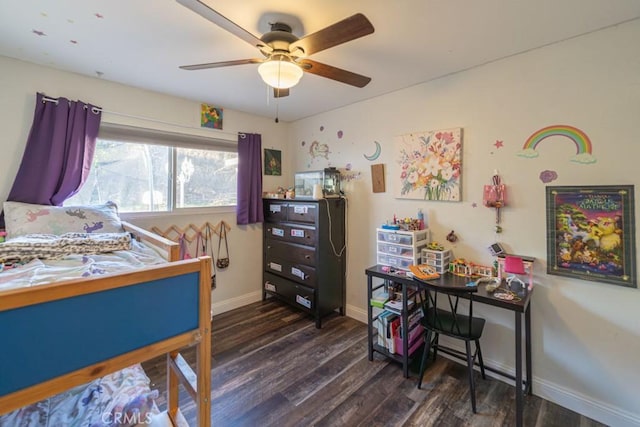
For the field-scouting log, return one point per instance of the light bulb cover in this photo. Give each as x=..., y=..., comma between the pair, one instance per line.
x=281, y=74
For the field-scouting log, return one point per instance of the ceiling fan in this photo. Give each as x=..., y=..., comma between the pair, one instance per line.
x=285, y=55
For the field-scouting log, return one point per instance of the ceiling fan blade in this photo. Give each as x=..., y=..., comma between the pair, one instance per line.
x=280, y=93
x=334, y=73
x=212, y=15
x=220, y=64
x=343, y=31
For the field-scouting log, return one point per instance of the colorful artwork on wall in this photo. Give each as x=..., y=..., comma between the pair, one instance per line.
x=210, y=116
x=375, y=154
x=591, y=233
x=272, y=162
x=579, y=138
x=319, y=150
x=430, y=165
x=548, y=176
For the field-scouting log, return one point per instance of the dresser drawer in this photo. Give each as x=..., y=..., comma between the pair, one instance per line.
x=304, y=235
x=302, y=212
x=301, y=296
x=275, y=211
x=300, y=273
x=295, y=253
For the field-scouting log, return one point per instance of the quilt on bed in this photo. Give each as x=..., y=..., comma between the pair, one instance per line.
x=43, y=271
x=123, y=398
x=49, y=246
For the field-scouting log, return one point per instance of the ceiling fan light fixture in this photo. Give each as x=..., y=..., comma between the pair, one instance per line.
x=280, y=73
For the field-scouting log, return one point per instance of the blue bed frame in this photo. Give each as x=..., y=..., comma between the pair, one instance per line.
x=54, y=337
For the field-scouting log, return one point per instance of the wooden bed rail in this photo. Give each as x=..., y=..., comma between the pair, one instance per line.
x=171, y=248
x=167, y=283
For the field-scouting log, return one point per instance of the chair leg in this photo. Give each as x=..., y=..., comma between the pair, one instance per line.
x=470, y=369
x=484, y=377
x=435, y=345
x=425, y=354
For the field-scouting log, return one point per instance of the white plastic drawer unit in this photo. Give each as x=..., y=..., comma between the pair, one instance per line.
x=402, y=237
x=438, y=259
x=400, y=249
x=395, y=261
x=396, y=249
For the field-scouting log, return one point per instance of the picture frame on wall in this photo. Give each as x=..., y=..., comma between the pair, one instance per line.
x=430, y=165
x=591, y=233
x=272, y=162
x=211, y=116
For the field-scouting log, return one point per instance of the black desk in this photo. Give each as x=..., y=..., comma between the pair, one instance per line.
x=520, y=307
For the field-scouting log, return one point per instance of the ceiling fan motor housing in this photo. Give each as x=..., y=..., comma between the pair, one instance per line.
x=279, y=38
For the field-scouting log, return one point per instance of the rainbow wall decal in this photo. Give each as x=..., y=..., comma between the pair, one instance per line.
x=579, y=138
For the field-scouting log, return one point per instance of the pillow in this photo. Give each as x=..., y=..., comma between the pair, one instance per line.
x=24, y=218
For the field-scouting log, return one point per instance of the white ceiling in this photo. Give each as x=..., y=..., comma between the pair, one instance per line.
x=142, y=42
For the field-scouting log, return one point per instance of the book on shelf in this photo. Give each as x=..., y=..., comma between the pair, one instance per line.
x=396, y=305
x=378, y=299
x=383, y=326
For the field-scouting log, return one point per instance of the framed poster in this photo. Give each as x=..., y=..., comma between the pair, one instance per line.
x=272, y=162
x=211, y=116
x=591, y=233
x=430, y=165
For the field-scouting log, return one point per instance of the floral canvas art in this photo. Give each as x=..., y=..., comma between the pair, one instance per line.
x=430, y=165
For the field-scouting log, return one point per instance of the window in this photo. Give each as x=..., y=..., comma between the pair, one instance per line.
x=150, y=171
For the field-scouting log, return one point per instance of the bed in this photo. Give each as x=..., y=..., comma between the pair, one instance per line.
x=69, y=337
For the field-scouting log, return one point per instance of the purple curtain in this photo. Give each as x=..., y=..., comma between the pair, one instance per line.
x=59, y=152
x=249, y=209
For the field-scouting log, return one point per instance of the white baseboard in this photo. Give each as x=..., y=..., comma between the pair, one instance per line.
x=585, y=405
x=357, y=313
x=220, y=307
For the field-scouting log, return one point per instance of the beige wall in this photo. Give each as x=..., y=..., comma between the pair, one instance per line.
x=19, y=81
x=586, y=335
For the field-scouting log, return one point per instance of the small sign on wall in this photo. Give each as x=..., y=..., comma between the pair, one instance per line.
x=377, y=178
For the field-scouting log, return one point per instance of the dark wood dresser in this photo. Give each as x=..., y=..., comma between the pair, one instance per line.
x=305, y=255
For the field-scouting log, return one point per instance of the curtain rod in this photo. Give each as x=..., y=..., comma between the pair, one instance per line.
x=96, y=110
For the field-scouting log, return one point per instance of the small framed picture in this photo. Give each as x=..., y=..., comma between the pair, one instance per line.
x=210, y=116
x=591, y=233
x=272, y=162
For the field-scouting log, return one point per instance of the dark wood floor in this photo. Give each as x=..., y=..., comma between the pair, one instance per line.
x=271, y=366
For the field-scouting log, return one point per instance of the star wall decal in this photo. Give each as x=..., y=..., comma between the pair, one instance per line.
x=499, y=143
x=40, y=33
x=99, y=16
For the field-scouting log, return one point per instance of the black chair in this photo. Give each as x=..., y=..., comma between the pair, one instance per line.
x=454, y=322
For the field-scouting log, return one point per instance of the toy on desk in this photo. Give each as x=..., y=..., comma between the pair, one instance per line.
x=463, y=268
x=390, y=226
x=424, y=271
x=516, y=265
x=435, y=246
x=492, y=283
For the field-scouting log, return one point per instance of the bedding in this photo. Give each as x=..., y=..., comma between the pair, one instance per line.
x=40, y=272
x=49, y=246
x=25, y=218
x=122, y=398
